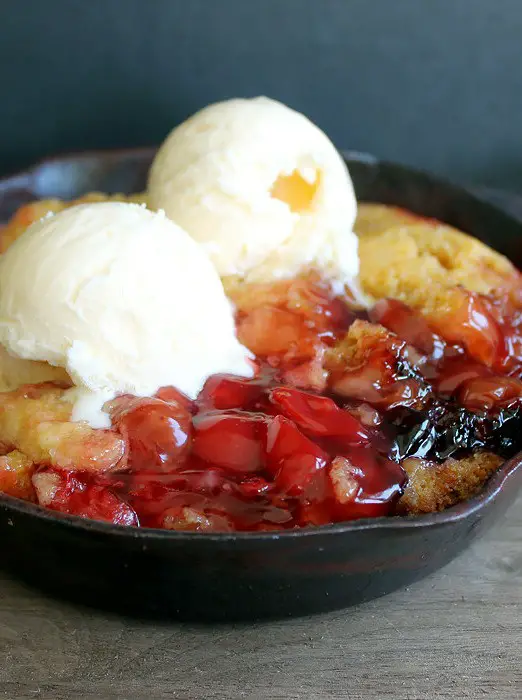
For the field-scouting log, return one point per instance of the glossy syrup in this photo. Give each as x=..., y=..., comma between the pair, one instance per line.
x=302, y=443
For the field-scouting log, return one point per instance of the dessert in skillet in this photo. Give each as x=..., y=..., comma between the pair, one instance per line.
x=345, y=375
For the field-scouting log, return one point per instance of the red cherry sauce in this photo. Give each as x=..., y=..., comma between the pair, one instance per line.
x=304, y=443
x=256, y=455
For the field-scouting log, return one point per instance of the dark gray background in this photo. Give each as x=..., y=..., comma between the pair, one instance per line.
x=434, y=83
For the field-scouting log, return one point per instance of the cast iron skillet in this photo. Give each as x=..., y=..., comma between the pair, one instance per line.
x=248, y=575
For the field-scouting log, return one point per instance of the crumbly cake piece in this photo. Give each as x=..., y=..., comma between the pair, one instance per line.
x=433, y=487
x=407, y=260
x=35, y=420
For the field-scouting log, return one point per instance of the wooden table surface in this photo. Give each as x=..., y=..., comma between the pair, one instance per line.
x=457, y=634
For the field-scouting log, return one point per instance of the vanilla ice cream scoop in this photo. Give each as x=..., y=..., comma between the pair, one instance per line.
x=122, y=299
x=262, y=189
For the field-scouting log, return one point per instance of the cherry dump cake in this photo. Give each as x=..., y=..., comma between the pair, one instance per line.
x=405, y=407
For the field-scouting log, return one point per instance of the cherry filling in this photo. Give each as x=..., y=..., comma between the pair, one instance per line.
x=311, y=440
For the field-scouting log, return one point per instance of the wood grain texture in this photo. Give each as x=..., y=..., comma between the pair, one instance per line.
x=454, y=635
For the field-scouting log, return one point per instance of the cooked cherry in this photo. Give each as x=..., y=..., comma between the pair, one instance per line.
x=255, y=487
x=455, y=372
x=222, y=391
x=292, y=458
x=230, y=440
x=272, y=332
x=409, y=326
x=474, y=327
x=365, y=484
x=171, y=395
x=319, y=416
x=158, y=433
x=484, y=393
x=382, y=387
